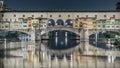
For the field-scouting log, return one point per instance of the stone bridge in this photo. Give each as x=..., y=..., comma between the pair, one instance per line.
x=31, y=33
x=74, y=30
x=93, y=31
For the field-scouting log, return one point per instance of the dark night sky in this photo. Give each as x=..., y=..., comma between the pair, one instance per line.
x=62, y=4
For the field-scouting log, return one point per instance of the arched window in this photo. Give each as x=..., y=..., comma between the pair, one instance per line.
x=69, y=22
x=51, y=22
x=60, y=22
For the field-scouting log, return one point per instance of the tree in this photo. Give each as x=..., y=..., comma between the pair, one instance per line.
x=109, y=35
x=117, y=43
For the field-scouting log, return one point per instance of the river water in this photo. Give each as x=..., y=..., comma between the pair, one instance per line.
x=16, y=55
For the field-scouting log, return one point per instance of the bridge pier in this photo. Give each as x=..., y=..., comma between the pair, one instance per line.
x=32, y=33
x=84, y=40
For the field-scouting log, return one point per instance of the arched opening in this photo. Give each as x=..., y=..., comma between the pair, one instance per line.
x=60, y=22
x=51, y=22
x=68, y=22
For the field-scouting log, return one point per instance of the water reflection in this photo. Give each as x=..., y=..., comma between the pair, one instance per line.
x=61, y=39
x=57, y=40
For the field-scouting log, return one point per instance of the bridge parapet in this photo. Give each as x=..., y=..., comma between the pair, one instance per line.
x=74, y=30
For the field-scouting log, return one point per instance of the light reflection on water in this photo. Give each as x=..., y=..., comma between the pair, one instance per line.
x=77, y=57
x=61, y=40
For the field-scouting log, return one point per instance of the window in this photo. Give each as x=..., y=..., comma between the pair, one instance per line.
x=32, y=15
x=108, y=26
x=76, y=19
x=29, y=25
x=68, y=15
x=76, y=25
x=14, y=15
x=23, y=15
x=95, y=16
x=103, y=26
x=98, y=25
x=59, y=15
x=77, y=15
x=105, y=16
x=112, y=26
x=24, y=25
x=41, y=25
x=94, y=22
x=50, y=15
x=41, y=15
x=86, y=15
x=113, y=16
x=117, y=26
x=113, y=22
x=94, y=26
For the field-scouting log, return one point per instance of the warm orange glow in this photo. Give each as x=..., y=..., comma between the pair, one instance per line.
x=29, y=56
x=84, y=25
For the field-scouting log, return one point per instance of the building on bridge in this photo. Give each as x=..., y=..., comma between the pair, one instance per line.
x=26, y=20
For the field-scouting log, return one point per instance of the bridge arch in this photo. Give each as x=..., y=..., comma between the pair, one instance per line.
x=51, y=22
x=99, y=32
x=74, y=30
x=68, y=22
x=60, y=22
x=30, y=33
